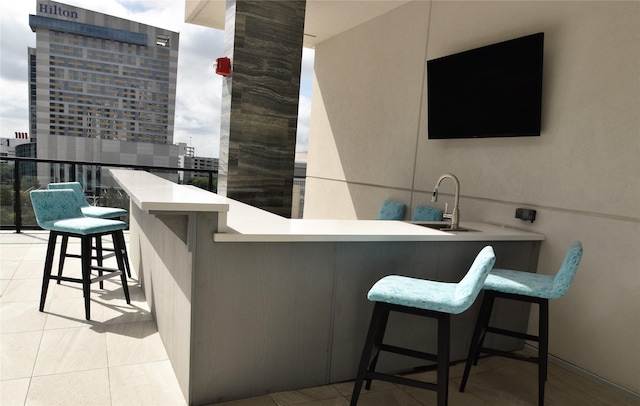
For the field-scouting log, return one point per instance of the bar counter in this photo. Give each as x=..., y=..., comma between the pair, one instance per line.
x=248, y=302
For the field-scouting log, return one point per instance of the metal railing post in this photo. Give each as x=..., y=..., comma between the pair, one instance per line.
x=17, y=197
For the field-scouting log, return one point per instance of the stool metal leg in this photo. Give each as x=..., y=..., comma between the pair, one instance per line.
x=491, y=299
x=119, y=247
x=444, y=332
x=125, y=257
x=482, y=328
x=48, y=264
x=479, y=333
x=99, y=257
x=63, y=255
x=377, y=343
x=373, y=343
x=86, y=250
x=100, y=250
x=379, y=317
x=543, y=334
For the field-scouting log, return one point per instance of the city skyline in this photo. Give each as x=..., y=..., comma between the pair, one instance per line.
x=197, y=117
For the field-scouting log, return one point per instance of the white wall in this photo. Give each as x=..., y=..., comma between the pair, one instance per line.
x=368, y=142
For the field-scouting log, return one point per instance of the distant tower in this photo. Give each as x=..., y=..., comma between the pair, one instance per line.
x=101, y=89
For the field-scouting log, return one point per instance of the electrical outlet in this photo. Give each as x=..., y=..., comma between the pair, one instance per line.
x=526, y=214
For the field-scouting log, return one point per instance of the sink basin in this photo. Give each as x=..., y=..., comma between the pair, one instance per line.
x=441, y=226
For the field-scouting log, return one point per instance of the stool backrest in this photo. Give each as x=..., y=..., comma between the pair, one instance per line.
x=426, y=213
x=52, y=205
x=469, y=287
x=391, y=210
x=77, y=189
x=567, y=271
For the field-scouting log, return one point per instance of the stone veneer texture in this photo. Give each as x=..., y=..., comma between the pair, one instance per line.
x=260, y=102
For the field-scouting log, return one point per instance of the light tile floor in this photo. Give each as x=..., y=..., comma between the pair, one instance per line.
x=59, y=358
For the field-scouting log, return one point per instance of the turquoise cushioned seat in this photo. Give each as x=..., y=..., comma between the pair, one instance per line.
x=103, y=212
x=91, y=211
x=84, y=225
x=444, y=297
x=537, y=285
x=438, y=300
x=391, y=210
x=523, y=287
x=87, y=209
x=426, y=213
x=59, y=211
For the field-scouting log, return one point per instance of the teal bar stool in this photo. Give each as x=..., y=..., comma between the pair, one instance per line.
x=391, y=210
x=425, y=298
x=524, y=287
x=59, y=212
x=90, y=211
x=426, y=213
x=87, y=209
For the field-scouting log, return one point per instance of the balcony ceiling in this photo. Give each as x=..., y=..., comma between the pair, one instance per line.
x=323, y=19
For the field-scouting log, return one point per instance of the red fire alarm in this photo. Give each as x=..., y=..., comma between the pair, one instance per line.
x=223, y=66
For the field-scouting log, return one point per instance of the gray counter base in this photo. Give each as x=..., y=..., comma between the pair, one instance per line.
x=244, y=319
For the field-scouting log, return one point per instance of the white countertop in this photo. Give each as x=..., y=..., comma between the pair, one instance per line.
x=250, y=224
x=240, y=222
x=153, y=193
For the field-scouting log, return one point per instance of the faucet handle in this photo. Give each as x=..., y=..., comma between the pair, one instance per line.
x=445, y=214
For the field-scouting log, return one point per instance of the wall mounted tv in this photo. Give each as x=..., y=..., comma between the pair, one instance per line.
x=492, y=91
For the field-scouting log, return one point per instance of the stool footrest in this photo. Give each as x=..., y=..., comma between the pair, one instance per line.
x=512, y=333
x=111, y=255
x=508, y=354
x=92, y=257
x=104, y=269
x=65, y=278
x=103, y=277
x=400, y=380
x=408, y=352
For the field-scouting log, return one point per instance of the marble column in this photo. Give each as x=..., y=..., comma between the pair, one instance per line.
x=260, y=102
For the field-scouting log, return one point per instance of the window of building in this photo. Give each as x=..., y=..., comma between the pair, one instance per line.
x=162, y=40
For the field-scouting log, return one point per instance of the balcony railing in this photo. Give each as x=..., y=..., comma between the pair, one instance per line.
x=18, y=176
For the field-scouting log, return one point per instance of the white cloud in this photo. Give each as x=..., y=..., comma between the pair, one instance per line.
x=198, y=91
x=15, y=38
x=302, y=139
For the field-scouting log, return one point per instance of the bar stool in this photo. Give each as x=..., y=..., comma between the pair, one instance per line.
x=95, y=212
x=426, y=213
x=391, y=210
x=526, y=287
x=58, y=211
x=419, y=297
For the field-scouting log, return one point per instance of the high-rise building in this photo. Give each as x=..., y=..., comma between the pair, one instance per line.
x=102, y=89
x=32, y=92
x=20, y=146
x=11, y=146
x=200, y=163
x=189, y=160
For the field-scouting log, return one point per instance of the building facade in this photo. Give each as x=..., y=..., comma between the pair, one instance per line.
x=200, y=163
x=102, y=89
x=23, y=147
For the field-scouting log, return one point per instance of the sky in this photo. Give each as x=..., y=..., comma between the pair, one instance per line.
x=199, y=89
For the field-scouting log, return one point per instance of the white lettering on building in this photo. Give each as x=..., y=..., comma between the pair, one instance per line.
x=59, y=11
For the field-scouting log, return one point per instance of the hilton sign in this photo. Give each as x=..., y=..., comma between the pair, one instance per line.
x=58, y=11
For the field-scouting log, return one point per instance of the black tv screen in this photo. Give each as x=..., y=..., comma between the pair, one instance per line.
x=492, y=91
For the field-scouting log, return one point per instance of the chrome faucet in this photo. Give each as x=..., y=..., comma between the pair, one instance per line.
x=455, y=214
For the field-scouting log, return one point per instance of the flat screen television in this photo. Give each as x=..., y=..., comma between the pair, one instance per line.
x=492, y=91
